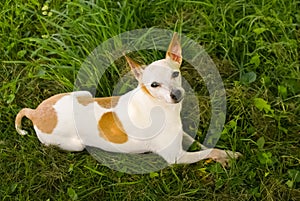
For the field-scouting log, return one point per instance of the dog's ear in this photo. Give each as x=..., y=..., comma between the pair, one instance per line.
x=174, y=50
x=135, y=68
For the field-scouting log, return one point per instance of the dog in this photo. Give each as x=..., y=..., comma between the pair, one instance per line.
x=146, y=119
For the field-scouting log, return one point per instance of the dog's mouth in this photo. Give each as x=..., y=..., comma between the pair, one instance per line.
x=177, y=100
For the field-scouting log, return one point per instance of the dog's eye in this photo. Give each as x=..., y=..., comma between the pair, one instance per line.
x=175, y=74
x=155, y=84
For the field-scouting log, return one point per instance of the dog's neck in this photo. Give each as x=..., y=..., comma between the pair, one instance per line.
x=140, y=104
x=142, y=98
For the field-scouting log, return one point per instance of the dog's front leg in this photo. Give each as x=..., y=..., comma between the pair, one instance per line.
x=187, y=141
x=217, y=155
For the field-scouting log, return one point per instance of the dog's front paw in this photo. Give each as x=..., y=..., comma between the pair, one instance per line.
x=223, y=157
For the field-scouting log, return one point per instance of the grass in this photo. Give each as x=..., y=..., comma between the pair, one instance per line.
x=255, y=45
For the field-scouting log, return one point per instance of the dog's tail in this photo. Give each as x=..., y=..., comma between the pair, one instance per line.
x=27, y=112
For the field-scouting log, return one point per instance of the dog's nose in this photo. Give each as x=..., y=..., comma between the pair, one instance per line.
x=176, y=95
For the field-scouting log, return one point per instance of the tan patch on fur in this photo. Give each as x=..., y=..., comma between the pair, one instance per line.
x=111, y=128
x=145, y=90
x=108, y=102
x=44, y=116
x=83, y=100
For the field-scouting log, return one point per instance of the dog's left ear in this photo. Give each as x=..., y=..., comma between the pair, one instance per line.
x=174, y=50
x=135, y=68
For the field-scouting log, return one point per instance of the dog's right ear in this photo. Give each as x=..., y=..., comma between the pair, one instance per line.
x=136, y=69
x=174, y=50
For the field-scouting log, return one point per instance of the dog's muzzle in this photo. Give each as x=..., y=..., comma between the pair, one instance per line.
x=176, y=95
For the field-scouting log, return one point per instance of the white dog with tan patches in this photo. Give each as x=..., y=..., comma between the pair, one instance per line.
x=146, y=119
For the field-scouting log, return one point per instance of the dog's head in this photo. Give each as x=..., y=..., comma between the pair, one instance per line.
x=162, y=79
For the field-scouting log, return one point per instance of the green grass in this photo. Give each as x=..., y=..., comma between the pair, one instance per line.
x=255, y=45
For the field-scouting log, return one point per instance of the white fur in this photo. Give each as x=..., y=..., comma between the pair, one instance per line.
x=151, y=121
